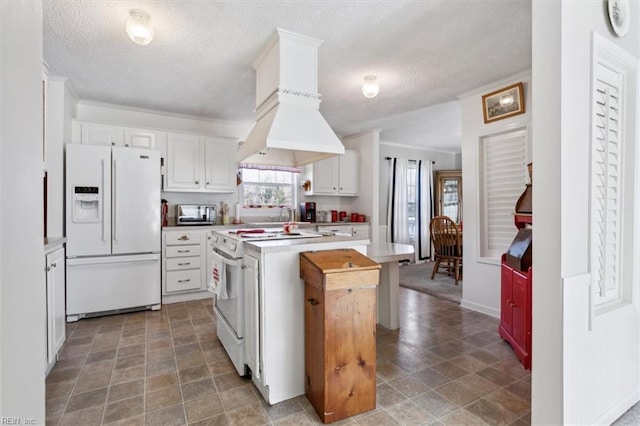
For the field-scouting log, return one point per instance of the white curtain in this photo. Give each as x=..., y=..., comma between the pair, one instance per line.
x=398, y=207
x=424, y=211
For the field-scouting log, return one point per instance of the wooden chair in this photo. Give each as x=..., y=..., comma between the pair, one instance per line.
x=446, y=238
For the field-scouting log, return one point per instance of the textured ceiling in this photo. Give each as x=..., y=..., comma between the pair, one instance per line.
x=423, y=52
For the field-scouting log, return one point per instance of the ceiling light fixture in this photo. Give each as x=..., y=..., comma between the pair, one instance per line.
x=370, y=87
x=138, y=27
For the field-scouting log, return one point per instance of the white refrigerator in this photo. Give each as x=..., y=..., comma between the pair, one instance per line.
x=113, y=229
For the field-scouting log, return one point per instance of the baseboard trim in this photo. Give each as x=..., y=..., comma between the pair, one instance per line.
x=480, y=308
x=614, y=413
x=185, y=297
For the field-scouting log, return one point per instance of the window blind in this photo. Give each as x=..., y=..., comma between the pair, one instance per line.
x=606, y=174
x=504, y=176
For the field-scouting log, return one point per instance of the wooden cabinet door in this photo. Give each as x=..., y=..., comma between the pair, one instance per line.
x=252, y=315
x=184, y=161
x=220, y=165
x=325, y=177
x=519, y=310
x=137, y=138
x=56, y=324
x=348, y=173
x=506, y=298
x=98, y=134
x=449, y=194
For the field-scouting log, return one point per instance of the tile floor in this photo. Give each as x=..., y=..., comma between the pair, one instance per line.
x=445, y=366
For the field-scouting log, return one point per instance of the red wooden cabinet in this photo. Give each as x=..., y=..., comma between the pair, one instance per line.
x=515, y=311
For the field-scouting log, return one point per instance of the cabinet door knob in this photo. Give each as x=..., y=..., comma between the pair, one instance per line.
x=53, y=265
x=126, y=144
x=243, y=267
x=113, y=143
x=312, y=301
x=183, y=238
x=207, y=183
x=196, y=182
x=48, y=268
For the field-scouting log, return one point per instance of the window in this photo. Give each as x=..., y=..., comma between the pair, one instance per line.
x=268, y=188
x=412, y=180
x=614, y=74
x=502, y=180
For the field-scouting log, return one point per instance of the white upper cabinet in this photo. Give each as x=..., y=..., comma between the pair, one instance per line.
x=184, y=162
x=104, y=134
x=99, y=134
x=220, y=164
x=137, y=138
x=203, y=164
x=336, y=175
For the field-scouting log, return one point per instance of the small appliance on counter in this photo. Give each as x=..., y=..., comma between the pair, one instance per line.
x=195, y=214
x=308, y=212
x=165, y=212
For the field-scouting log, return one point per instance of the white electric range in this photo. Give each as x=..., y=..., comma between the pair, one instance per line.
x=226, y=252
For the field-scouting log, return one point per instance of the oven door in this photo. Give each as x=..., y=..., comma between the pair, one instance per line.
x=232, y=309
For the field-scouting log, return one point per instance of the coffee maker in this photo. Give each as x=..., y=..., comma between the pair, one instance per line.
x=308, y=212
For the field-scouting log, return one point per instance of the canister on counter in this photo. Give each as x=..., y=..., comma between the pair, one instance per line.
x=354, y=217
x=334, y=215
x=342, y=216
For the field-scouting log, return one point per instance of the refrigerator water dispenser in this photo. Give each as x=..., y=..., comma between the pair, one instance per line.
x=86, y=204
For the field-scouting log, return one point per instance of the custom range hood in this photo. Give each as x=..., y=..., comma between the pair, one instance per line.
x=289, y=129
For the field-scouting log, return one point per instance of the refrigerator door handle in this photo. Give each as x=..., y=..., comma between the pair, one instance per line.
x=104, y=181
x=115, y=200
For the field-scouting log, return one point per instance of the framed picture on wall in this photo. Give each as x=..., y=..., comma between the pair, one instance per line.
x=503, y=103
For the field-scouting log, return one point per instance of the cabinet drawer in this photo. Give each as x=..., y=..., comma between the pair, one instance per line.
x=182, y=251
x=182, y=238
x=183, y=280
x=179, y=263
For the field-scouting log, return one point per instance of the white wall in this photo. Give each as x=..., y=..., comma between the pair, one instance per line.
x=443, y=161
x=60, y=104
x=581, y=375
x=481, y=291
x=22, y=283
x=367, y=144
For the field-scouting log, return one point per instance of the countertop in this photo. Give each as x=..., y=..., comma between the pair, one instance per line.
x=304, y=244
x=53, y=243
x=173, y=227
x=389, y=252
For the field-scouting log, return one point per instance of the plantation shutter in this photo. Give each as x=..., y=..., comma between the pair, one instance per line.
x=504, y=179
x=606, y=174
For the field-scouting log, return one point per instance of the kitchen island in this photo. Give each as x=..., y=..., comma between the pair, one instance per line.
x=274, y=311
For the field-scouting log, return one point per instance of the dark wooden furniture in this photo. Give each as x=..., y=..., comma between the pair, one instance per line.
x=448, y=196
x=340, y=332
x=515, y=300
x=446, y=238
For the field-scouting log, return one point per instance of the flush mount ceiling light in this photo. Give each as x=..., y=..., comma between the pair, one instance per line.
x=138, y=27
x=370, y=87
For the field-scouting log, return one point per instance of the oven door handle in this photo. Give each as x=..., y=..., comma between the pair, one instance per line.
x=225, y=260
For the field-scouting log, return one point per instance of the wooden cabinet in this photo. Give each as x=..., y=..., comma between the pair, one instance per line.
x=220, y=164
x=184, y=162
x=515, y=311
x=340, y=329
x=336, y=175
x=360, y=231
x=203, y=164
x=104, y=134
x=183, y=261
x=56, y=324
x=449, y=194
x=252, y=307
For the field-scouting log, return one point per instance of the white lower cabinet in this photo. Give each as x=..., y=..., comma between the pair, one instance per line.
x=360, y=231
x=56, y=323
x=250, y=267
x=184, y=263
